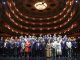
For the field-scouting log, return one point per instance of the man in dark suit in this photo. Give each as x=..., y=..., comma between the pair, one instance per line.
x=7, y=48
x=39, y=48
x=1, y=45
x=74, y=47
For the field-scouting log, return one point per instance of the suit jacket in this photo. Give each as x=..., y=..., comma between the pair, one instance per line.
x=1, y=43
x=38, y=46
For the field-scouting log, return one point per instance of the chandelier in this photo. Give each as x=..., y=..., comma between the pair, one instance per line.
x=40, y=5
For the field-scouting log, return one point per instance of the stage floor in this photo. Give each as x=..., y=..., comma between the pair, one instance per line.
x=39, y=58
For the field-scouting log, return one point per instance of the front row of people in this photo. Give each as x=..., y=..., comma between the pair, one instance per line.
x=41, y=46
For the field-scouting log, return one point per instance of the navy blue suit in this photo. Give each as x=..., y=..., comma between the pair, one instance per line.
x=64, y=51
x=1, y=47
x=38, y=49
x=74, y=48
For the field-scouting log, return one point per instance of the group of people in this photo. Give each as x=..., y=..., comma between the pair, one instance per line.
x=43, y=45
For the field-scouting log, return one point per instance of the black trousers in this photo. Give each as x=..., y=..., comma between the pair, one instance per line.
x=64, y=52
x=1, y=51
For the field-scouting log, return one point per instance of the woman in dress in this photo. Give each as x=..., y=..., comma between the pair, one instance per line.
x=28, y=48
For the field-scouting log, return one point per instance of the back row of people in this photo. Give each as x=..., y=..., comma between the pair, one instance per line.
x=37, y=46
